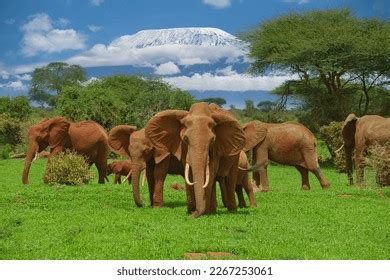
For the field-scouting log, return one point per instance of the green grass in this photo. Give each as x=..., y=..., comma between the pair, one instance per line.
x=101, y=222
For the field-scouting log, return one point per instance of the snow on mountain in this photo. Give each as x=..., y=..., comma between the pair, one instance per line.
x=179, y=36
x=182, y=46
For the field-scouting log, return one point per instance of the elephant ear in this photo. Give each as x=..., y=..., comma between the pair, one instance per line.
x=349, y=129
x=119, y=139
x=255, y=133
x=58, y=130
x=230, y=137
x=163, y=131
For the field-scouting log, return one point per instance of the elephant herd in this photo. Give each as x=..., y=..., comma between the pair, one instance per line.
x=205, y=145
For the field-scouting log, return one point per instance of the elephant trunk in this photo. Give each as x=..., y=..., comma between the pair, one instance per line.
x=349, y=163
x=136, y=170
x=201, y=177
x=32, y=150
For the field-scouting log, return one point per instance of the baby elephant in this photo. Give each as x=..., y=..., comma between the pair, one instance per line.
x=243, y=182
x=119, y=168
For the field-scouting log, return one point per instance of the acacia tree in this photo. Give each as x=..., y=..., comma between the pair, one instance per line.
x=48, y=81
x=331, y=47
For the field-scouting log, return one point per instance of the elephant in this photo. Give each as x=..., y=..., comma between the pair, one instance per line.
x=359, y=134
x=285, y=143
x=243, y=182
x=86, y=138
x=127, y=141
x=207, y=141
x=119, y=168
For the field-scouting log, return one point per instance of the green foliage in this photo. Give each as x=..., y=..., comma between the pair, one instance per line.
x=331, y=134
x=216, y=100
x=379, y=159
x=266, y=106
x=101, y=221
x=121, y=99
x=48, y=81
x=5, y=151
x=18, y=107
x=68, y=169
x=327, y=50
x=10, y=130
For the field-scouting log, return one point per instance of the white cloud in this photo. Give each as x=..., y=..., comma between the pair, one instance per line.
x=94, y=28
x=25, y=77
x=9, y=21
x=63, y=22
x=15, y=86
x=168, y=68
x=219, y=4
x=96, y=2
x=40, y=36
x=227, y=71
x=233, y=82
x=296, y=1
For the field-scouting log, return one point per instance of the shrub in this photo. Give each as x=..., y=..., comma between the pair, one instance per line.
x=379, y=158
x=10, y=130
x=331, y=134
x=5, y=151
x=68, y=169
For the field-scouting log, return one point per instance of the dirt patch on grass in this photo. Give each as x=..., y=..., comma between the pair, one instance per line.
x=208, y=255
x=344, y=195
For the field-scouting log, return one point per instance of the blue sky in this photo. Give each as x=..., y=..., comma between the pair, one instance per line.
x=36, y=32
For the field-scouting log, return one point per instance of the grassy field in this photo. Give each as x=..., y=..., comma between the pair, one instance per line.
x=101, y=222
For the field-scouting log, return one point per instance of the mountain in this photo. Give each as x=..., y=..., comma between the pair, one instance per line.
x=197, y=36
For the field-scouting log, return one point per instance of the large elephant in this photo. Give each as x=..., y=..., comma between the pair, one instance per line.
x=125, y=140
x=208, y=143
x=86, y=138
x=284, y=143
x=360, y=133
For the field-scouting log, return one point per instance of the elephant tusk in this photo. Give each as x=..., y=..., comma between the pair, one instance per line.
x=35, y=157
x=339, y=149
x=243, y=168
x=186, y=173
x=143, y=179
x=127, y=177
x=207, y=174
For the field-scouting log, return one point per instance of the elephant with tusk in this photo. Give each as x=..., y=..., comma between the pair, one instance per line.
x=86, y=138
x=208, y=142
x=127, y=141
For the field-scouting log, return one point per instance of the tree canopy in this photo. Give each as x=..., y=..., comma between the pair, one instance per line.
x=332, y=48
x=118, y=100
x=18, y=108
x=48, y=81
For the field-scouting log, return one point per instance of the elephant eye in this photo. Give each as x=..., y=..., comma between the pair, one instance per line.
x=185, y=139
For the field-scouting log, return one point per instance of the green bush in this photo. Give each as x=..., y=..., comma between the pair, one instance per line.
x=68, y=169
x=10, y=130
x=379, y=158
x=331, y=134
x=5, y=151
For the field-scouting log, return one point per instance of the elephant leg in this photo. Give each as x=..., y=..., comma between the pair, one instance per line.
x=160, y=173
x=264, y=185
x=359, y=165
x=150, y=178
x=101, y=166
x=249, y=191
x=213, y=199
x=240, y=195
x=305, y=177
x=223, y=192
x=117, y=179
x=191, y=205
x=311, y=162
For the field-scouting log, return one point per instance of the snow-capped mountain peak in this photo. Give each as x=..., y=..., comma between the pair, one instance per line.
x=198, y=36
